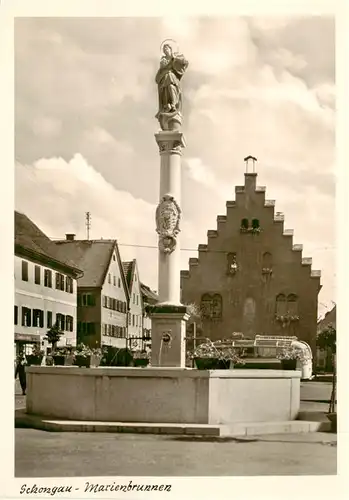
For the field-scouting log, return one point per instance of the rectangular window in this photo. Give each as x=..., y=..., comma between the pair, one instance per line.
x=37, y=275
x=48, y=278
x=109, y=278
x=134, y=298
x=79, y=300
x=88, y=299
x=26, y=316
x=16, y=315
x=137, y=300
x=129, y=319
x=49, y=319
x=60, y=320
x=137, y=320
x=133, y=320
x=91, y=328
x=69, y=323
x=69, y=284
x=38, y=318
x=60, y=281
x=114, y=280
x=24, y=270
x=119, y=282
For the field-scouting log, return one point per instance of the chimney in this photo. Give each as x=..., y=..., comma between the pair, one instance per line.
x=70, y=237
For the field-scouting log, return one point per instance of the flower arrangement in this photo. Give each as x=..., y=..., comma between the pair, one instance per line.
x=286, y=319
x=36, y=351
x=291, y=353
x=267, y=270
x=141, y=355
x=83, y=351
x=217, y=350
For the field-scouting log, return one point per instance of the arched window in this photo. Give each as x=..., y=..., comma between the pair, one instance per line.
x=217, y=306
x=255, y=224
x=267, y=263
x=231, y=263
x=292, y=304
x=244, y=224
x=205, y=305
x=281, y=305
x=211, y=306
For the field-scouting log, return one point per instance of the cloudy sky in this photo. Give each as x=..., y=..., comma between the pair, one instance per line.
x=85, y=101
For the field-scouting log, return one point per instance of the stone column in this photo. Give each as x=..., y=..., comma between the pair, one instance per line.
x=170, y=147
x=169, y=317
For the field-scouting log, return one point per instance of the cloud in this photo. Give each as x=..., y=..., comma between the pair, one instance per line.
x=85, y=106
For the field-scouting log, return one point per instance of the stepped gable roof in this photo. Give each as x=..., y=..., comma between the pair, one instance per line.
x=92, y=256
x=32, y=242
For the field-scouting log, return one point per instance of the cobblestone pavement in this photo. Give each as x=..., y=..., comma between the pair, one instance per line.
x=44, y=454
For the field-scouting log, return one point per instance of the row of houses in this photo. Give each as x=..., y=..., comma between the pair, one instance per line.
x=81, y=285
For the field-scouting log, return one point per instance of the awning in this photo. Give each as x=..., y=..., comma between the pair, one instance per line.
x=27, y=337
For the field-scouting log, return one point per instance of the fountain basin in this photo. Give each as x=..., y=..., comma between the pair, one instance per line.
x=166, y=395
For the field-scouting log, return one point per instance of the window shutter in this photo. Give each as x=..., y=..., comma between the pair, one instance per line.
x=58, y=281
x=41, y=319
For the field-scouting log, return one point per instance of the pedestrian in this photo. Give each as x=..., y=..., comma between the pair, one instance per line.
x=20, y=371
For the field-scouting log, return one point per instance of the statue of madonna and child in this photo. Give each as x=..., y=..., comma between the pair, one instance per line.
x=172, y=67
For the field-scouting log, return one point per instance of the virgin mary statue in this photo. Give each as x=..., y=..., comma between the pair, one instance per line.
x=172, y=68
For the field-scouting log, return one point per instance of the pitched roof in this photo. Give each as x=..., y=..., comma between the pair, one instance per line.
x=148, y=294
x=127, y=268
x=92, y=256
x=30, y=239
x=329, y=318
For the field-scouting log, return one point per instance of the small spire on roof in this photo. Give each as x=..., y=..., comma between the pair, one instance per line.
x=248, y=160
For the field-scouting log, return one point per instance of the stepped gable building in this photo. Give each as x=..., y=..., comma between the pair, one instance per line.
x=250, y=277
x=45, y=288
x=103, y=295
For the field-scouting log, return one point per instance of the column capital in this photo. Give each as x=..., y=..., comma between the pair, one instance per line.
x=170, y=142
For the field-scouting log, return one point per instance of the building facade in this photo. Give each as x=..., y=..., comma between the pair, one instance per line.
x=45, y=289
x=135, y=314
x=250, y=277
x=102, y=296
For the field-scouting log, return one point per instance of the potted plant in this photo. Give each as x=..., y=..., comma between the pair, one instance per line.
x=141, y=358
x=289, y=357
x=35, y=358
x=215, y=356
x=53, y=336
x=82, y=356
x=59, y=356
x=327, y=340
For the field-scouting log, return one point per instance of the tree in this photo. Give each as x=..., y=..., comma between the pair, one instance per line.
x=53, y=336
x=326, y=339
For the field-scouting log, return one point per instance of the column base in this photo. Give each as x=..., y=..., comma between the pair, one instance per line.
x=168, y=327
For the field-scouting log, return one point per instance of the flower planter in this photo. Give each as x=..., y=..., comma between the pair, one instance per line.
x=211, y=364
x=288, y=364
x=59, y=360
x=141, y=362
x=332, y=417
x=34, y=360
x=82, y=361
